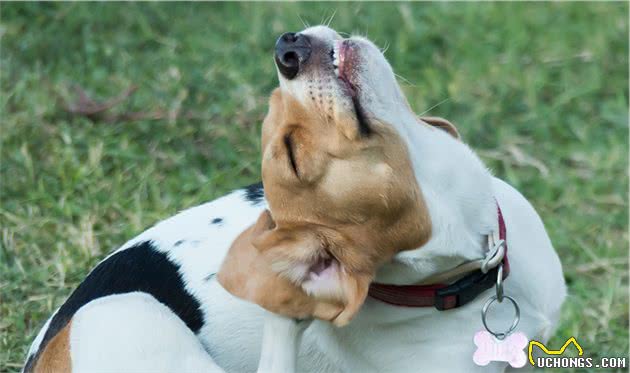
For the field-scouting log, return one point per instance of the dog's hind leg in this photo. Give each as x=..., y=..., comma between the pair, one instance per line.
x=133, y=332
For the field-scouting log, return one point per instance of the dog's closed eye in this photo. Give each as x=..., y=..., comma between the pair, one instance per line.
x=288, y=143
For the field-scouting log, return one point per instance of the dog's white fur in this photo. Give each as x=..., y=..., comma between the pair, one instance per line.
x=133, y=332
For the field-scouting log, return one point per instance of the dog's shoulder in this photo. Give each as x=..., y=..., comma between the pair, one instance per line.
x=164, y=262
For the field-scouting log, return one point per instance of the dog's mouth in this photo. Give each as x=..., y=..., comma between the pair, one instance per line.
x=345, y=62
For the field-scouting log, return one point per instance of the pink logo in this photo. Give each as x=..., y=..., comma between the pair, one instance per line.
x=509, y=349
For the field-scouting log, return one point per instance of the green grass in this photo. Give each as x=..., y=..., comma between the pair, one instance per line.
x=540, y=90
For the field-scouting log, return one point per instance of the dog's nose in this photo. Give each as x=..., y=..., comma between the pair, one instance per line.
x=292, y=51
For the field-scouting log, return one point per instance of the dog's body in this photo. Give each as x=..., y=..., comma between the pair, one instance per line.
x=176, y=317
x=135, y=332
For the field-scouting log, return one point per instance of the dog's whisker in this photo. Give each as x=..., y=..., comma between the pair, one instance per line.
x=385, y=48
x=434, y=106
x=323, y=21
x=405, y=80
x=330, y=19
x=304, y=23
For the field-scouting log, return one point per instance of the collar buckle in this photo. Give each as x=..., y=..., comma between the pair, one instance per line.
x=465, y=290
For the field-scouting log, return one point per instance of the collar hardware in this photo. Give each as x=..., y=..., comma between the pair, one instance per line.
x=448, y=296
x=465, y=290
x=494, y=257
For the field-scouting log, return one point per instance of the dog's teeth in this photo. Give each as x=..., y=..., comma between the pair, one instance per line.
x=336, y=71
x=335, y=55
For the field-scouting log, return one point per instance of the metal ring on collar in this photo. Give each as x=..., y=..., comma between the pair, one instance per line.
x=494, y=257
x=517, y=316
x=499, y=286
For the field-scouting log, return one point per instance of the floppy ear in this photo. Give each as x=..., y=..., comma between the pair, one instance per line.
x=264, y=223
x=293, y=252
x=442, y=124
x=246, y=274
x=289, y=249
x=355, y=289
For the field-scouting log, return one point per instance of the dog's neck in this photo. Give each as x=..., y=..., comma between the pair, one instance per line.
x=457, y=189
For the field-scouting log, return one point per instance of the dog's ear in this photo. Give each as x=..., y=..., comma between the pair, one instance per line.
x=292, y=251
x=264, y=224
x=288, y=248
x=246, y=274
x=442, y=124
x=295, y=238
x=355, y=289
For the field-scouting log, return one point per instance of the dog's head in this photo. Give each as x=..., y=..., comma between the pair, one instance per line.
x=337, y=173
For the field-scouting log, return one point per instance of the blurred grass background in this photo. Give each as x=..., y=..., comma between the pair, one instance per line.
x=540, y=90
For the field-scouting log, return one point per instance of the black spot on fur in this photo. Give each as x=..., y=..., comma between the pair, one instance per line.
x=217, y=220
x=138, y=268
x=255, y=193
x=178, y=243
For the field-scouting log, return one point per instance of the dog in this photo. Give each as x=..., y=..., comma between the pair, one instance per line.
x=155, y=303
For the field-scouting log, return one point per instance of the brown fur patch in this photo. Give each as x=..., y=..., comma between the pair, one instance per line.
x=364, y=189
x=56, y=356
x=332, y=193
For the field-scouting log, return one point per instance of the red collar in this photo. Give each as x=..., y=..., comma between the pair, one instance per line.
x=443, y=296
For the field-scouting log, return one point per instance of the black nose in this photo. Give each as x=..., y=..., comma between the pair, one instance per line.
x=292, y=51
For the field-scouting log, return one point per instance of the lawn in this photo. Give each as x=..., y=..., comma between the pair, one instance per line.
x=539, y=90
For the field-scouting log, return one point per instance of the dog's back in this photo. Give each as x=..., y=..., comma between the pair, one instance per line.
x=157, y=276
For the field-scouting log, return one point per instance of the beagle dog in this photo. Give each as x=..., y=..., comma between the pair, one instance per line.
x=365, y=208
